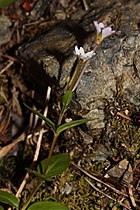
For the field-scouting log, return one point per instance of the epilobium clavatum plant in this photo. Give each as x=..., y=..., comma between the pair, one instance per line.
x=56, y=164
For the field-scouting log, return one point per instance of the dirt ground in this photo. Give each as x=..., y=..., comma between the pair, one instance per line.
x=110, y=155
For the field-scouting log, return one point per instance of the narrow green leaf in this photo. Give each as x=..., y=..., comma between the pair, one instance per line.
x=66, y=99
x=35, y=173
x=70, y=125
x=8, y=198
x=47, y=205
x=4, y=3
x=1, y=208
x=57, y=165
x=47, y=120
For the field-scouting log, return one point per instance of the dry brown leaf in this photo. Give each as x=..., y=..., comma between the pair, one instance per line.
x=4, y=151
x=5, y=122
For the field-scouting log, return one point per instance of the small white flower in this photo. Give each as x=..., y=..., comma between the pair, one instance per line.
x=81, y=53
x=102, y=32
x=68, y=120
x=98, y=27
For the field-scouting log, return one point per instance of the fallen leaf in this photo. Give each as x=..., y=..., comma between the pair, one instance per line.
x=4, y=151
x=5, y=122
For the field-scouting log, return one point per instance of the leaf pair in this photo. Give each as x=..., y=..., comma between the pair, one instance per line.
x=8, y=198
x=66, y=99
x=60, y=128
x=58, y=164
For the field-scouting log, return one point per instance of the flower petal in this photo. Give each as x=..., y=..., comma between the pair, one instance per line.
x=98, y=29
x=88, y=55
x=101, y=25
x=76, y=50
x=82, y=52
x=82, y=55
x=107, y=32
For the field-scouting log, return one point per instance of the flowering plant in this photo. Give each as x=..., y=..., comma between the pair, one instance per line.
x=82, y=55
x=53, y=165
x=102, y=32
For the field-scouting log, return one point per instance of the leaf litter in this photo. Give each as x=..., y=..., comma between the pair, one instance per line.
x=118, y=172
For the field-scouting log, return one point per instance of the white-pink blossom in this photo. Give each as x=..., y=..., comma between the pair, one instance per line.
x=102, y=31
x=82, y=55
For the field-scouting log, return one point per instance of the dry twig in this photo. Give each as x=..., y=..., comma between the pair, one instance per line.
x=124, y=116
x=131, y=195
x=6, y=67
x=85, y=5
x=41, y=131
x=38, y=145
x=10, y=146
x=11, y=58
x=108, y=196
x=100, y=181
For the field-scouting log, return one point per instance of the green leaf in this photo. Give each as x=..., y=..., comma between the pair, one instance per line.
x=66, y=99
x=8, y=198
x=47, y=120
x=35, y=173
x=4, y=3
x=58, y=164
x=47, y=205
x=70, y=125
x=1, y=208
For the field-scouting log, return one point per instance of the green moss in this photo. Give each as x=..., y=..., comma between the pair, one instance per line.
x=127, y=137
x=71, y=187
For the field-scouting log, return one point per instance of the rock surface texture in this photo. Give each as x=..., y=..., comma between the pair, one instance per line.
x=113, y=73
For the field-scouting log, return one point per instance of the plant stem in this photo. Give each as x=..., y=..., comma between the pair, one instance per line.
x=44, y=172
x=61, y=116
x=76, y=75
x=50, y=152
x=31, y=195
x=72, y=86
x=95, y=48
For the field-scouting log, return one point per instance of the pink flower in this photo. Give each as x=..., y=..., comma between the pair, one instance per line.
x=82, y=55
x=102, y=32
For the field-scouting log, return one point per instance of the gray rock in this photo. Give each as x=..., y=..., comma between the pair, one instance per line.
x=116, y=61
x=115, y=68
x=5, y=33
x=99, y=83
